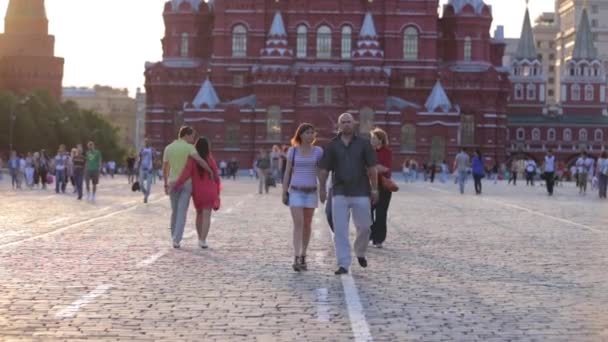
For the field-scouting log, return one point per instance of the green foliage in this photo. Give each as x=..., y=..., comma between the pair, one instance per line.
x=41, y=122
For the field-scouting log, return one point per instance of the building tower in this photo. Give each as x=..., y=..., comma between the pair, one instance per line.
x=527, y=78
x=27, y=51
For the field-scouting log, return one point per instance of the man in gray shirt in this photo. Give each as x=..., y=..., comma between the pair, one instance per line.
x=354, y=181
x=462, y=163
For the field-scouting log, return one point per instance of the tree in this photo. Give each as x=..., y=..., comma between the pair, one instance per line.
x=41, y=122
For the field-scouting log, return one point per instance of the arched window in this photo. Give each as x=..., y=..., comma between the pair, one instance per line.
x=596, y=70
x=347, y=42
x=536, y=134
x=575, y=92
x=468, y=48
x=598, y=135
x=520, y=134
x=273, y=123
x=531, y=92
x=519, y=92
x=408, y=138
x=302, y=41
x=582, y=135
x=567, y=134
x=410, y=44
x=589, y=93
x=184, y=45
x=551, y=136
x=366, y=121
x=239, y=41
x=467, y=130
x=324, y=42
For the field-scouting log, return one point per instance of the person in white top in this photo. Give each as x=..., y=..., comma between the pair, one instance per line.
x=530, y=171
x=60, y=161
x=583, y=163
x=300, y=189
x=549, y=171
x=602, y=174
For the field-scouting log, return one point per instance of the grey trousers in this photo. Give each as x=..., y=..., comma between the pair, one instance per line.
x=342, y=207
x=180, y=200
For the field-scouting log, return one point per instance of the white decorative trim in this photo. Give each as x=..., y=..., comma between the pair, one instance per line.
x=203, y=119
x=437, y=122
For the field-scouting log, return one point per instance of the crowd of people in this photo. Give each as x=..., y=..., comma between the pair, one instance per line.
x=351, y=176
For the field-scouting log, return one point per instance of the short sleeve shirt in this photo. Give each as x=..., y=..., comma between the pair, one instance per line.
x=146, y=155
x=305, y=166
x=463, y=161
x=349, y=164
x=93, y=160
x=177, y=154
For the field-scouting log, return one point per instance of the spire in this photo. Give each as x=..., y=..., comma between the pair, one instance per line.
x=368, y=44
x=194, y=4
x=26, y=17
x=278, y=28
x=526, y=49
x=276, y=42
x=583, y=46
x=438, y=100
x=206, y=96
x=368, y=29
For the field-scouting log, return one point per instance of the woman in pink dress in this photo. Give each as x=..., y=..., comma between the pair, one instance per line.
x=205, y=189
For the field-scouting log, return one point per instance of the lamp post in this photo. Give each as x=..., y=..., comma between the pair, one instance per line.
x=13, y=118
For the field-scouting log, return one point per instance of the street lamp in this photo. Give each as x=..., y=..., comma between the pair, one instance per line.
x=13, y=118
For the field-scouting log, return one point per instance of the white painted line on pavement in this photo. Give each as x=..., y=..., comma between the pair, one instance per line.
x=322, y=305
x=60, y=230
x=73, y=308
x=152, y=259
x=58, y=220
x=355, y=310
x=530, y=211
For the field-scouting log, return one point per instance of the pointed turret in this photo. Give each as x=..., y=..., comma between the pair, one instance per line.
x=276, y=41
x=368, y=45
x=526, y=49
x=26, y=17
x=583, y=46
x=206, y=96
x=438, y=100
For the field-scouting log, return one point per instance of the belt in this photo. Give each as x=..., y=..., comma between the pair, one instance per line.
x=306, y=189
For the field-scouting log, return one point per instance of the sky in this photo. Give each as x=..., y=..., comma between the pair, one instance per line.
x=108, y=41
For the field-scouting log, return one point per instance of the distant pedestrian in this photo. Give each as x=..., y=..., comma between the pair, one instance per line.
x=262, y=166
x=205, y=189
x=432, y=171
x=112, y=168
x=549, y=171
x=462, y=163
x=583, y=166
x=13, y=169
x=60, y=162
x=477, y=169
x=93, y=168
x=530, y=171
x=354, y=181
x=602, y=172
x=130, y=169
x=175, y=159
x=79, y=163
x=300, y=190
x=384, y=156
x=514, y=171
x=146, y=169
x=233, y=168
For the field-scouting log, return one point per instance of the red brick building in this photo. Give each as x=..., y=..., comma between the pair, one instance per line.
x=246, y=72
x=579, y=121
x=27, y=51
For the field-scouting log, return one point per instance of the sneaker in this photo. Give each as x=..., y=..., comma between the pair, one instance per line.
x=341, y=271
x=378, y=245
x=203, y=244
x=176, y=245
x=362, y=262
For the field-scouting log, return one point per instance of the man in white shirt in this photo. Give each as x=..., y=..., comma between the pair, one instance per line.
x=60, y=166
x=530, y=171
x=583, y=164
x=549, y=171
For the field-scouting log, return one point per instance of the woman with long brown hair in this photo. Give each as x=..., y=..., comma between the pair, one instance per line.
x=379, y=140
x=300, y=189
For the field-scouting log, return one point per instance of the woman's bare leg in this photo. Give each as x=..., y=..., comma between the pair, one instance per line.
x=206, y=224
x=199, y=224
x=309, y=213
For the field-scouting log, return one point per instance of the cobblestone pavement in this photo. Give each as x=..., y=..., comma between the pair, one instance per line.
x=510, y=265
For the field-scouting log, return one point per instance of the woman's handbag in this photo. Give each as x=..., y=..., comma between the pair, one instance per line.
x=389, y=184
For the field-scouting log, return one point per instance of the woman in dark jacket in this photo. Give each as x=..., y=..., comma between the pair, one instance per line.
x=379, y=140
x=478, y=171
